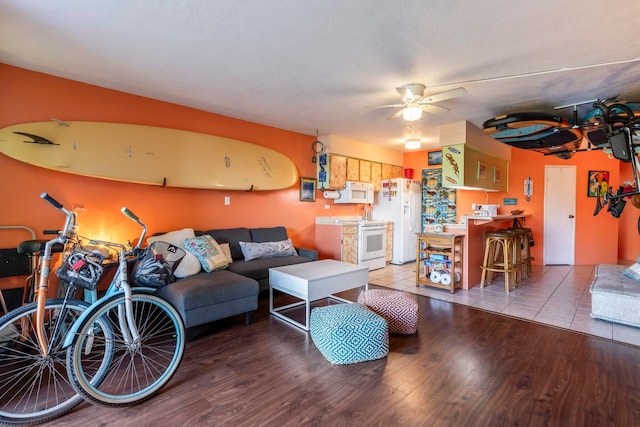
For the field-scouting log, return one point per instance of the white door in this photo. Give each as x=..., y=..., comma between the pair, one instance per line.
x=559, y=215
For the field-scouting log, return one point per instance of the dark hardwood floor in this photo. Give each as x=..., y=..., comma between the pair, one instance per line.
x=464, y=367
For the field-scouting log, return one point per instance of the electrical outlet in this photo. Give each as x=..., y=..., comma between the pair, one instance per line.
x=327, y=206
x=227, y=200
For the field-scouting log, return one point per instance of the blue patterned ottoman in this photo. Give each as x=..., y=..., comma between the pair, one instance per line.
x=349, y=333
x=399, y=309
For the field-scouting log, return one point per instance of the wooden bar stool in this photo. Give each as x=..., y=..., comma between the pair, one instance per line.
x=498, y=258
x=517, y=253
x=526, y=258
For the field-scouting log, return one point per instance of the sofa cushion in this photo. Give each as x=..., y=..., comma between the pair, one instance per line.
x=208, y=252
x=258, y=269
x=268, y=234
x=208, y=289
x=189, y=264
x=232, y=236
x=253, y=250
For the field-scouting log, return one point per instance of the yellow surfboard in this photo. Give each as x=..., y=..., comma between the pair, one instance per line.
x=148, y=155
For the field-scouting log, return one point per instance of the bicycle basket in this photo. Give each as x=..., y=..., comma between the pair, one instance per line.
x=156, y=265
x=81, y=268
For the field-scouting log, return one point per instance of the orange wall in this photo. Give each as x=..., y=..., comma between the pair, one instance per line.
x=599, y=239
x=30, y=96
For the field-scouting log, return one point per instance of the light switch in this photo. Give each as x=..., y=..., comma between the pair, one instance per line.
x=227, y=200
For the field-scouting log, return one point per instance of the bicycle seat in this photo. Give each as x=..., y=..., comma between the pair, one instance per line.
x=37, y=246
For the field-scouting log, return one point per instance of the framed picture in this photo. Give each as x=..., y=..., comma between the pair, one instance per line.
x=497, y=174
x=598, y=180
x=307, y=189
x=434, y=158
x=482, y=170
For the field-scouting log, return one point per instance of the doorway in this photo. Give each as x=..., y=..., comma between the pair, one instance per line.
x=559, y=215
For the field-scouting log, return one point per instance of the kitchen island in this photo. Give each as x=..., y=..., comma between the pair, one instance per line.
x=473, y=227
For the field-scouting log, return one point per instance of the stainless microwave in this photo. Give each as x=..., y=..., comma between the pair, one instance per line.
x=356, y=192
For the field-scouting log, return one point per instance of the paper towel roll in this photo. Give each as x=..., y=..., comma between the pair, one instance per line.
x=435, y=276
x=445, y=278
x=331, y=195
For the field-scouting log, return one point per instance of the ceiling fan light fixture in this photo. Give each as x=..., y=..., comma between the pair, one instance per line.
x=412, y=113
x=412, y=144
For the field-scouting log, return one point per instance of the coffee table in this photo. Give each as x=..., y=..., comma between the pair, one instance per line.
x=313, y=281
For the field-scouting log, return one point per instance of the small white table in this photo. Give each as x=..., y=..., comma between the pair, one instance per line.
x=312, y=281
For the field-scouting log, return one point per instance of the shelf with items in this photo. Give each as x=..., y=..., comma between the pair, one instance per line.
x=439, y=260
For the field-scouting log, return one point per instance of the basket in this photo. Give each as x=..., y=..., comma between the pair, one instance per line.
x=156, y=265
x=81, y=268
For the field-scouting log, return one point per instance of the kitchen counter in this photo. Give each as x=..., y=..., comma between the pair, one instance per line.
x=474, y=227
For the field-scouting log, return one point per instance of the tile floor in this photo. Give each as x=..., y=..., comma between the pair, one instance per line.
x=554, y=295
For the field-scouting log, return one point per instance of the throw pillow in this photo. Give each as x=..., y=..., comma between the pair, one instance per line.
x=189, y=264
x=208, y=252
x=226, y=250
x=252, y=250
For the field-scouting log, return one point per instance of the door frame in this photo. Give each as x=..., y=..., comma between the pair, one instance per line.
x=548, y=220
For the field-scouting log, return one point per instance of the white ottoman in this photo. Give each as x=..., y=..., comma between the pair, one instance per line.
x=614, y=296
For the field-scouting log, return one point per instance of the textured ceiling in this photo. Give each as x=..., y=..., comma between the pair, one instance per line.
x=312, y=66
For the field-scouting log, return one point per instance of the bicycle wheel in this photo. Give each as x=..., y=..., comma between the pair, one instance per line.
x=137, y=369
x=33, y=388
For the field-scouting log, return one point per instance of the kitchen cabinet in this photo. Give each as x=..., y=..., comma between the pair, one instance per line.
x=438, y=257
x=353, y=169
x=332, y=171
x=335, y=170
x=365, y=171
x=337, y=241
x=376, y=175
x=463, y=166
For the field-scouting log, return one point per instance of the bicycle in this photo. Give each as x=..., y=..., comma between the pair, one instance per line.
x=129, y=343
x=34, y=386
x=55, y=352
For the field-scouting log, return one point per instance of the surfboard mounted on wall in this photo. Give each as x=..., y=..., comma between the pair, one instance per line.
x=545, y=133
x=148, y=155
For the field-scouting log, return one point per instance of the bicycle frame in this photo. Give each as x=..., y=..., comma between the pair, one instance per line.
x=68, y=233
x=119, y=283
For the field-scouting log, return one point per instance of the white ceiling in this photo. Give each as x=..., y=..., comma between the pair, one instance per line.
x=315, y=65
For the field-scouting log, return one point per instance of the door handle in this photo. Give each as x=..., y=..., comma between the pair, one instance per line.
x=571, y=216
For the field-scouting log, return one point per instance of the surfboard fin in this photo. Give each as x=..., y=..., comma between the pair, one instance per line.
x=250, y=189
x=36, y=139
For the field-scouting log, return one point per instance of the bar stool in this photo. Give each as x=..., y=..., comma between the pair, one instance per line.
x=498, y=258
x=526, y=258
x=517, y=253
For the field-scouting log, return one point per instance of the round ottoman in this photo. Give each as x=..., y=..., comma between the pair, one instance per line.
x=398, y=308
x=348, y=333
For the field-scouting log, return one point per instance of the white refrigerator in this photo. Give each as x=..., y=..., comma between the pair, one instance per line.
x=400, y=202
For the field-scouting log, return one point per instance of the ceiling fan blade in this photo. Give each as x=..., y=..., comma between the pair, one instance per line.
x=386, y=106
x=448, y=94
x=411, y=92
x=433, y=109
x=396, y=115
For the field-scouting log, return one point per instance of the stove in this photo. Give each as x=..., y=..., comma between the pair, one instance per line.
x=372, y=244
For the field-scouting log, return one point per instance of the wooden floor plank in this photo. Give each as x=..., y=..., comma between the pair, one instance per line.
x=464, y=367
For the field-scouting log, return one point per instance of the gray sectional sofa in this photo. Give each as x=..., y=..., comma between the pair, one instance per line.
x=205, y=297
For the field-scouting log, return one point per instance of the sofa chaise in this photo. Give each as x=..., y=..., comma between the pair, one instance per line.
x=208, y=296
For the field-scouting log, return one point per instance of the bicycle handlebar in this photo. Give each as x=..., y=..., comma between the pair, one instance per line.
x=133, y=217
x=56, y=204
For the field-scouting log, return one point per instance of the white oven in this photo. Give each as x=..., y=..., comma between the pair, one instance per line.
x=372, y=244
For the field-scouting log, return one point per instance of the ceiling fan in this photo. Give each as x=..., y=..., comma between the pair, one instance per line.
x=414, y=102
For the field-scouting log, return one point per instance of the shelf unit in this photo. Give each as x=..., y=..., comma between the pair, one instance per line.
x=443, y=254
